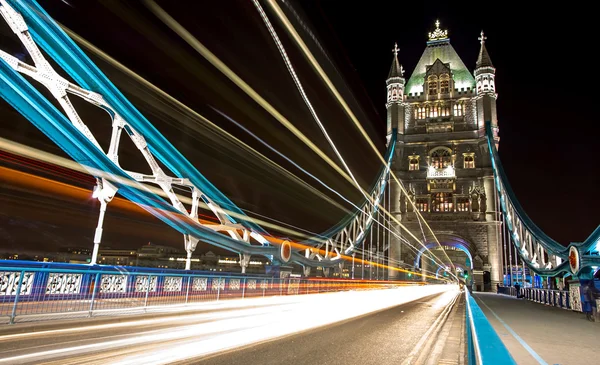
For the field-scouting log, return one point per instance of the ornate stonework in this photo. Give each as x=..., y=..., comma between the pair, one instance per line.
x=443, y=108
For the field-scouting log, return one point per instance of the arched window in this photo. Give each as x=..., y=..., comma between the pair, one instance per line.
x=419, y=112
x=440, y=158
x=444, y=110
x=444, y=84
x=432, y=85
x=469, y=161
x=441, y=202
x=432, y=111
x=413, y=163
x=458, y=110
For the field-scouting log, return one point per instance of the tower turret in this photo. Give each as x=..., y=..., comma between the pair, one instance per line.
x=395, y=96
x=485, y=75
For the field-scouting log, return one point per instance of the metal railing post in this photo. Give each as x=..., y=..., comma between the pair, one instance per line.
x=17, y=294
x=94, y=294
x=187, y=291
x=147, y=292
x=244, y=288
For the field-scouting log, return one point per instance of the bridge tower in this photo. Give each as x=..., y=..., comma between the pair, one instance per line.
x=442, y=159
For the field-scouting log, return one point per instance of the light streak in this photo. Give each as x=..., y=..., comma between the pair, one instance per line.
x=322, y=127
x=215, y=61
x=290, y=28
x=195, y=115
x=223, y=330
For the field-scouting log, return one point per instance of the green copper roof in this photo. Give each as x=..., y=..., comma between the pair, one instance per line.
x=446, y=53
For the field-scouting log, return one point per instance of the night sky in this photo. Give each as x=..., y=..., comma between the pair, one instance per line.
x=545, y=81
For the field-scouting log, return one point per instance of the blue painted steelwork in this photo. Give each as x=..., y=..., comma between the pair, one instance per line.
x=532, y=243
x=458, y=245
x=30, y=103
x=483, y=344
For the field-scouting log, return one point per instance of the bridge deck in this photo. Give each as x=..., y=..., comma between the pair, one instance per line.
x=538, y=334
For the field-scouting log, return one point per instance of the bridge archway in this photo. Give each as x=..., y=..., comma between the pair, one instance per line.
x=448, y=240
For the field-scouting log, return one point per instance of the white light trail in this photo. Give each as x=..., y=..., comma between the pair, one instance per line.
x=289, y=27
x=230, y=329
x=292, y=72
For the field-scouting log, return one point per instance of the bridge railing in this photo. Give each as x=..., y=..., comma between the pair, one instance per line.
x=551, y=297
x=34, y=293
x=483, y=343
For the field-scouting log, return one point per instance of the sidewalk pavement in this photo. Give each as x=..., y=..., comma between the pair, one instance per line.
x=538, y=334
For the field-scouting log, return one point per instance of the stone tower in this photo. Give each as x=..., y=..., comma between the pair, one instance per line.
x=442, y=159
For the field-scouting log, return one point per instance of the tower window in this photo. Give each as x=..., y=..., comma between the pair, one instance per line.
x=432, y=111
x=440, y=158
x=444, y=110
x=458, y=110
x=444, y=84
x=413, y=163
x=422, y=204
x=432, y=85
x=462, y=204
x=441, y=202
x=420, y=112
x=469, y=160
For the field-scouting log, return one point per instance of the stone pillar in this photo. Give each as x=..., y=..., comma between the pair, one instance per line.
x=395, y=250
x=493, y=233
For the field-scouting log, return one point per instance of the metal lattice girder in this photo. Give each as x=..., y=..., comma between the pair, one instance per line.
x=34, y=27
x=539, y=252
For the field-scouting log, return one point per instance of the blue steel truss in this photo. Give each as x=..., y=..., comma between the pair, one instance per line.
x=540, y=253
x=36, y=25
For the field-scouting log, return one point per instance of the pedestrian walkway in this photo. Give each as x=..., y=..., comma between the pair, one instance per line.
x=537, y=334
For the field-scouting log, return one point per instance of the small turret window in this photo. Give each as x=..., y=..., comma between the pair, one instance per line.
x=413, y=163
x=469, y=160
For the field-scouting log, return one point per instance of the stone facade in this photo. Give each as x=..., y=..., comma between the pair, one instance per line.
x=442, y=158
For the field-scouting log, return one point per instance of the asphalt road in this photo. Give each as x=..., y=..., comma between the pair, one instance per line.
x=349, y=327
x=385, y=337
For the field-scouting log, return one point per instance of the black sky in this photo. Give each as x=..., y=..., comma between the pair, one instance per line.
x=545, y=81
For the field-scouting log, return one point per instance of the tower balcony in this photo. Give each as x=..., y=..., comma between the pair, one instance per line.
x=445, y=173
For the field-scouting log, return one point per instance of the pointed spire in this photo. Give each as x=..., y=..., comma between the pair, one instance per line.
x=484, y=59
x=396, y=70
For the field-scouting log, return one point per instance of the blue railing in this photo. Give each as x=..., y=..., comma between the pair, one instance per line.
x=45, y=291
x=484, y=345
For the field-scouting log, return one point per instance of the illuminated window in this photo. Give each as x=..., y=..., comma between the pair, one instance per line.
x=444, y=110
x=469, y=162
x=422, y=204
x=413, y=163
x=441, y=202
x=463, y=205
x=444, y=84
x=458, y=110
x=440, y=158
x=432, y=85
x=419, y=112
x=432, y=111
